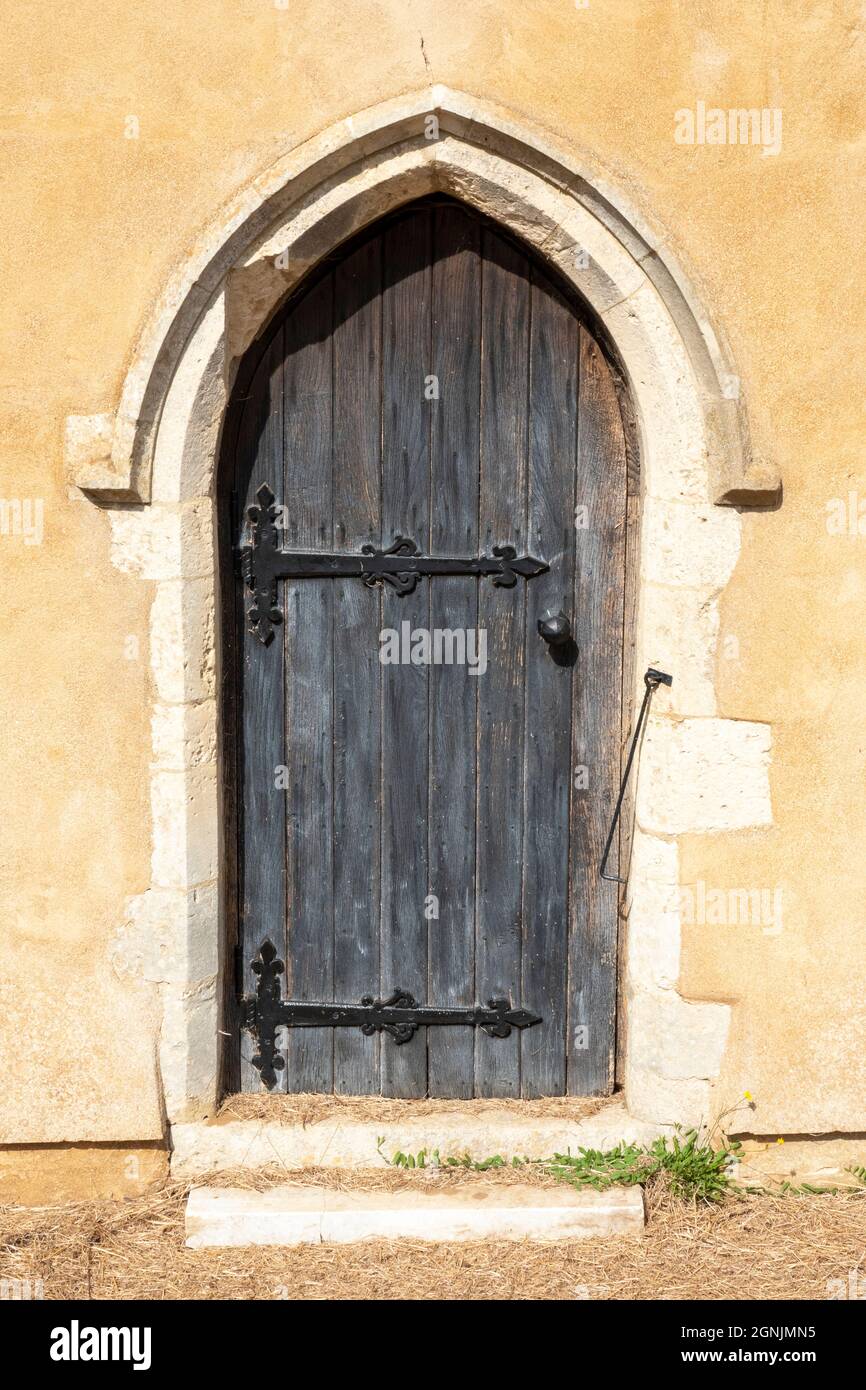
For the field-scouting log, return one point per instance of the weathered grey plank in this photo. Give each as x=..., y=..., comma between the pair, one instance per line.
x=598, y=603
x=456, y=290
x=309, y=622
x=553, y=409
x=406, y=511
x=261, y=810
x=404, y=783
x=357, y=694
x=629, y=712
x=503, y=482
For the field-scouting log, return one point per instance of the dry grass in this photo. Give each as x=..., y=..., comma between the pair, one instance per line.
x=759, y=1247
x=307, y=1109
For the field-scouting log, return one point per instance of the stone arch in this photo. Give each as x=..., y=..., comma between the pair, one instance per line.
x=162, y=447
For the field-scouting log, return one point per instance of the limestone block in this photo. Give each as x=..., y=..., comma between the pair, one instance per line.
x=653, y=940
x=680, y=631
x=345, y=1143
x=689, y=544
x=309, y=1215
x=189, y=1051
x=704, y=775
x=87, y=451
x=183, y=735
x=173, y=541
x=675, y=1038
x=170, y=936
x=186, y=444
x=666, y=1100
x=185, y=827
x=182, y=651
x=45, y=1174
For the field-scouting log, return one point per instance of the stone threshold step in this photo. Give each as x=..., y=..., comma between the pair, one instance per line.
x=315, y=1215
x=339, y=1142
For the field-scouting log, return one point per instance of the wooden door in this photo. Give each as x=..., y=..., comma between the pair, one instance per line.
x=429, y=826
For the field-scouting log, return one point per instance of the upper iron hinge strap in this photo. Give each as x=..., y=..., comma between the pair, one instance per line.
x=400, y=565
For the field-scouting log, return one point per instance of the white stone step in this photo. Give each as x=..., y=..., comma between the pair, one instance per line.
x=200, y=1148
x=313, y=1215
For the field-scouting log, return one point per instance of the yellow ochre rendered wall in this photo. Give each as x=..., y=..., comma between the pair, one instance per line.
x=124, y=128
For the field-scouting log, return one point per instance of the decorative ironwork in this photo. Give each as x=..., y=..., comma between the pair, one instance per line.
x=399, y=565
x=400, y=1016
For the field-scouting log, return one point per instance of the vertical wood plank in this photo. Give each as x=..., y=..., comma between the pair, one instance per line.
x=554, y=348
x=599, y=605
x=261, y=809
x=503, y=483
x=357, y=724
x=309, y=628
x=407, y=780
x=456, y=285
x=629, y=660
x=406, y=511
x=231, y=610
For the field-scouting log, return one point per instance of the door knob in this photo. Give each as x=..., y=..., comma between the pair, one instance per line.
x=554, y=628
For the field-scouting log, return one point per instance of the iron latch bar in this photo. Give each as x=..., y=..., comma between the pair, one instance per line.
x=652, y=680
x=400, y=1016
x=400, y=565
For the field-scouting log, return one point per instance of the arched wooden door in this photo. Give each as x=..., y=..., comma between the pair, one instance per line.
x=410, y=812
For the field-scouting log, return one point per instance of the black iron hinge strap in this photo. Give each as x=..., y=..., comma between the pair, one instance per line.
x=400, y=565
x=400, y=1016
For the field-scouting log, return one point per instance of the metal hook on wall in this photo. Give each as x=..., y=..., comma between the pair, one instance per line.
x=652, y=680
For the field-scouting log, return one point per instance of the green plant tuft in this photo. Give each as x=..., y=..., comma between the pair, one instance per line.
x=692, y=1169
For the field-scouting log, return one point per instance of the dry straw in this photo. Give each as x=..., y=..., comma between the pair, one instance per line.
x=307, y=1109
x=758, y=1247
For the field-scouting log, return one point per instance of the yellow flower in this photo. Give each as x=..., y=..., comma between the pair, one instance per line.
x=747, y=1095
x=780, y=1141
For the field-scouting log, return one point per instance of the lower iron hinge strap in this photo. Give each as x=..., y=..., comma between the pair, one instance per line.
x=400, y=1016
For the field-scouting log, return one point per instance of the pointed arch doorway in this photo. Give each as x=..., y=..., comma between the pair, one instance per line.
x=423, y=761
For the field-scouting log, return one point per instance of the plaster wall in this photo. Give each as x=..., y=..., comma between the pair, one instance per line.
x=127, y=132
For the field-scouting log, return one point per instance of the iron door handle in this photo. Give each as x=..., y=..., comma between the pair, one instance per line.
x=554, y=628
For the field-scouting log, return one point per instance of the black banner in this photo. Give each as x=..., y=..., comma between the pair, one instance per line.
x=222, y=1339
